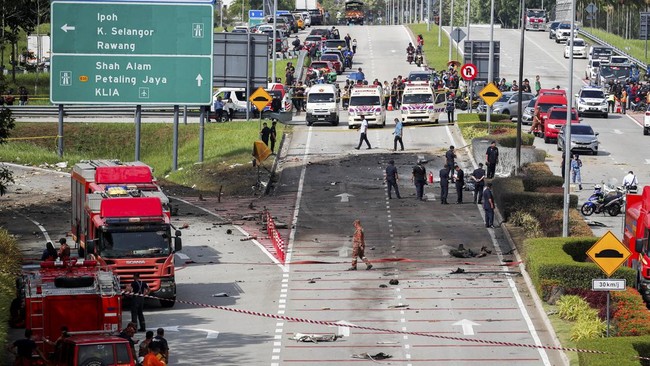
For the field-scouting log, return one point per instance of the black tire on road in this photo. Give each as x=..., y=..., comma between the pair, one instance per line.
x=614, y=209
x=587, y=209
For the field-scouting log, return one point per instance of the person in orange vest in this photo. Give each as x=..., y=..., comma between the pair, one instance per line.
x=153, y=358
x=623, y=101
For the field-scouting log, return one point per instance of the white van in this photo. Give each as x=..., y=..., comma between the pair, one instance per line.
x=366, y=100
x=420, y=103
x=322, y=104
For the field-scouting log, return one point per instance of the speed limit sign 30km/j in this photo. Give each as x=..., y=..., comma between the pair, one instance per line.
x=468, y=71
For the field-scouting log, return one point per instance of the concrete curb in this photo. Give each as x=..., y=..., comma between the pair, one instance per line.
x=274, y=168
x=529, y=283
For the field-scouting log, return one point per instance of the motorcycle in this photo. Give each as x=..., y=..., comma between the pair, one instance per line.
x=610, y=200
x=418, y=59
x=409, y=58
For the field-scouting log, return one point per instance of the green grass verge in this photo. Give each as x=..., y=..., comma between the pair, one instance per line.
x=562, y=330
x=633, y=47
x=505, y=133
x=435, y=57
x=9, y=267
x=622, y=349
x=228, y=148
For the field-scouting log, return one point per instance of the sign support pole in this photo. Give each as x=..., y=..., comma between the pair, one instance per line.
x=471, y=94
x=60, y=133
x=201, y=133
x=608, y=313
x=175, y=144
x=138, y=125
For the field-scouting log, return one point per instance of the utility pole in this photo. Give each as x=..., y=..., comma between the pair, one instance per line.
x=451, y=27
x=490, y=61
x=567, y=128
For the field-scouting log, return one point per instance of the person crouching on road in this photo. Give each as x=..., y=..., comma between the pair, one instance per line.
x=358, y=246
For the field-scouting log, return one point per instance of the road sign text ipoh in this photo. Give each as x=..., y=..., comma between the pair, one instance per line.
x=131, y=53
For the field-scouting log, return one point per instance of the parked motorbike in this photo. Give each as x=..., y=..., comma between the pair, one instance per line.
x=418, y=60
x=409, y=57
x=609, y=199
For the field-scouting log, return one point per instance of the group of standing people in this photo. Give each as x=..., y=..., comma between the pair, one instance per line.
x=269, y=135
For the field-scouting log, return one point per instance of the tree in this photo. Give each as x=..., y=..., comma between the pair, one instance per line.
x=7, y=123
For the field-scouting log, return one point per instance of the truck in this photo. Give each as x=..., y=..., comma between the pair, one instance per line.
x=535, y=19
x=635, y=237
x=312, y=7
x=354, y=12
x=121, y=218
x=83, y=297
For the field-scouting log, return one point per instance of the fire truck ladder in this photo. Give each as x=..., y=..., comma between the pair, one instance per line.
x=36, y=306
x=107, y=284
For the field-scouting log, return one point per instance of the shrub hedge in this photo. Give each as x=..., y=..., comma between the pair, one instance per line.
x=630, y=316
x=559, y=262
x=510, y=195
x=621, y=351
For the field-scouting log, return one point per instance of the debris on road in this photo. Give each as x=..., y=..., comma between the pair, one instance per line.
x=220, y=294
x=229, y=232
x=393, y=282
x=252, y=237
x=315, y=338
x=458, y=270
x=383, y=285
x=378, y=356
x=185, y=226
x=511, y=251
x=400, y=306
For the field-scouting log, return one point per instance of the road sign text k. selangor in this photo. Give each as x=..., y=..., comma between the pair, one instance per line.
x=131, y=53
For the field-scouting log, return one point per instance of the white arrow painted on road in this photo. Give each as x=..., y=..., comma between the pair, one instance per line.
x=173, y=328
x=618, y=132
x=430, y=196
x=211, y=334
x=647, y=161
x=468, y=326
x=345, y=197
x=67, y=28
x=199, y=79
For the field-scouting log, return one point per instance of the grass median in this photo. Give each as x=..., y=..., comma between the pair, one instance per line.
x=227, y=153
x=633, y=47
x=436, y=57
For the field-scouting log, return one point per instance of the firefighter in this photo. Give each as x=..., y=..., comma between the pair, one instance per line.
x=24, y=348
x=139, y=289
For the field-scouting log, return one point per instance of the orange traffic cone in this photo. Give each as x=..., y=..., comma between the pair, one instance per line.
x=430, y=178
x=390, y=107
x=618, y=107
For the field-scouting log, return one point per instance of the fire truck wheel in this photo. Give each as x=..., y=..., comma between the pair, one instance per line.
x=93, y=362
x=168, y=303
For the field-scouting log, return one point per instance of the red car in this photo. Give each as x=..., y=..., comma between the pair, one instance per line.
x=334, y=59
x=554, y=121
x=324, y=67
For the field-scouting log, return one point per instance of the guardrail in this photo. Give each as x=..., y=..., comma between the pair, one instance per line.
x=98, y=111
x=639, y=63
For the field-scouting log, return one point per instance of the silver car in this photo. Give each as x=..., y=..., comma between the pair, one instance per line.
x=583, y=138
x=509, y=103
x=529, y=111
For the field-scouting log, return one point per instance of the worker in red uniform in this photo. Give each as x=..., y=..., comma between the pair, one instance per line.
x=358, y=247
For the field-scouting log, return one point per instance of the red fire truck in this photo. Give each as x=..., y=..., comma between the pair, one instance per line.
x=86, y=299
x=535, y=19
x=635, y=236
x=121, y=217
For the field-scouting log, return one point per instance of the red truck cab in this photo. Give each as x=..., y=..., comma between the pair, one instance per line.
x=95, y=349
x=635, y=237
x=555, y=119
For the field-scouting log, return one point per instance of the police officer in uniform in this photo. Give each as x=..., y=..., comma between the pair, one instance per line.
x=460, y=183
x=444, y=184
x=478, y=176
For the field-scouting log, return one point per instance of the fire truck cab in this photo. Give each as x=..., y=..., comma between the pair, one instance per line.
x=535, y=19
x=95, y=349
x=121, y=217
x=635, y=236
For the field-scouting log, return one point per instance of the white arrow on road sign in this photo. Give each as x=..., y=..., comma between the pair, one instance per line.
x=468, y=326
x=67, y=27
x=199, y=79
x=345, y=197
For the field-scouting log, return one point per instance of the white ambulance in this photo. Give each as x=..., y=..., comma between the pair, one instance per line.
x=366, y=100
x=322, y=104
x=421, y=104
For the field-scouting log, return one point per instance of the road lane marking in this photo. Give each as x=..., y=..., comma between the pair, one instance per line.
x=511, y=282
x=40, y=227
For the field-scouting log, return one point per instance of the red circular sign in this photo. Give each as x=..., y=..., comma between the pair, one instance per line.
x=468, y=71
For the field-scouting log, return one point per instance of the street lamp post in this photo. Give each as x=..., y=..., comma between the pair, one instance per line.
x=451, y=27
x=521, y=76
x=275, y=7
x=490, y=60
x=439, y=23
x=567, y=127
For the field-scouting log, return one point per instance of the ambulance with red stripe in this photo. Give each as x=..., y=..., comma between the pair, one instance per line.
x=367, y=101
x=421, y=104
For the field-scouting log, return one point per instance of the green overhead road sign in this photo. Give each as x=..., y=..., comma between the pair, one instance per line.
x=131, y=28
x=131, y=53
x=176, y=80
